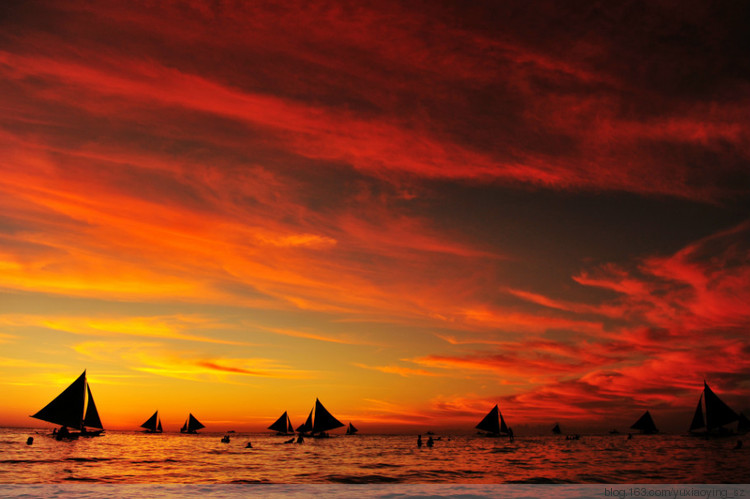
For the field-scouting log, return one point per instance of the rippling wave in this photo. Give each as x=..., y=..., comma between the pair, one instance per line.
x=131, y=457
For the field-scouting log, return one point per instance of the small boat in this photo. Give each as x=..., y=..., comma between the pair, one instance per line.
x=153, y=424
x=319, y=422
x=73, y=408
x=283, y=425
x=192, y=425
x=351, y=430
x=493, y=424
x=556, y=429
x=717, y=413
x=645, y=424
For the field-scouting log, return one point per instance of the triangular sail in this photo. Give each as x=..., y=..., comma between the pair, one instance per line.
x=193, y=424
x=184, y=427
x=289, y=428
x=158, y=427
x=698, y=421
x=556, y=429
x=645, y=424
x=503, y=426
x=150, y=423
x=324, y=420
x=280, y=425
x=743, y=424
x=717, y=412
x=67, y=408
x=307, y=426
x=352, y=429
x=490, y=422
x=92, y=415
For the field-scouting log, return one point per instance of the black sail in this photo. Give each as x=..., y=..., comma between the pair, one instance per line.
x=193, y=424
x=645, y=424
x=324, y=420
x=556, y=430
x=280, y=425
x=67, y=408
x=158, y=427
x=307, y=426
x=289, y=428
x=698, y=422
x=717, y=412
x=150, y=423
x=491, y=422
x=91, y=419
x=503, y=426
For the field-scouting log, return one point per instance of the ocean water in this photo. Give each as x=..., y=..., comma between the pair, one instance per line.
x=136, y=458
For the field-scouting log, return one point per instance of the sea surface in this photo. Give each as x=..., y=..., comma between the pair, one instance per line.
x=121, y=457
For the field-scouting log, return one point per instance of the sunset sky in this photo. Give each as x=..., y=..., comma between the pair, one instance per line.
x=411, y=210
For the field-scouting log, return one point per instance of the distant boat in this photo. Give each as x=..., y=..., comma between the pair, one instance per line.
x=67, y=410
x=645, y=424
x=717, y=413
x=319, y=421
x=192, y=425
x=283, y=425
x=556, y=429
x=351, y=430
x=614, y=431
x=493, y=423
x=153, y=424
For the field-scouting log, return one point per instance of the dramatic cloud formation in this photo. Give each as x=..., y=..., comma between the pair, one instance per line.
x=416, y=210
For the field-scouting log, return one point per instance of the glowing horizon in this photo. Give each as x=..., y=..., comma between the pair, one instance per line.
x=412, y=214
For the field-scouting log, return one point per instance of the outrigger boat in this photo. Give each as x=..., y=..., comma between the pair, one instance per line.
x=73, y=408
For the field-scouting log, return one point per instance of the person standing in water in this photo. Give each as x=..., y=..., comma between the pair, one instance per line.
x=430, y=442
x=419, y=441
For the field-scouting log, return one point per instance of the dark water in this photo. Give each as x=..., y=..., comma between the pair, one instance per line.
x=129, y=457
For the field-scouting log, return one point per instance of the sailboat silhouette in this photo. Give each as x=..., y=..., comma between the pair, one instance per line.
x=73, y=408
x=351, y=430
x=318, y=422
x=717, y=413
x=153, y=424
x=645, y=424
x=493, y=424
x=283, y=425
x=192, y=425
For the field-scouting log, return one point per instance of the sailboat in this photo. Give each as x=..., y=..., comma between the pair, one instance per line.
x=718, y=414
x=192, y=425
x=493, y=423
x=283, y=425
x=645, y=424
x=319, y=421
x=73, y=408
x=351, y=430
x=153, y=424
x=556, y=429
x=306, y=427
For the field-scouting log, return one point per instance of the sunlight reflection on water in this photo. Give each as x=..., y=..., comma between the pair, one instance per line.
x=130, y=457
